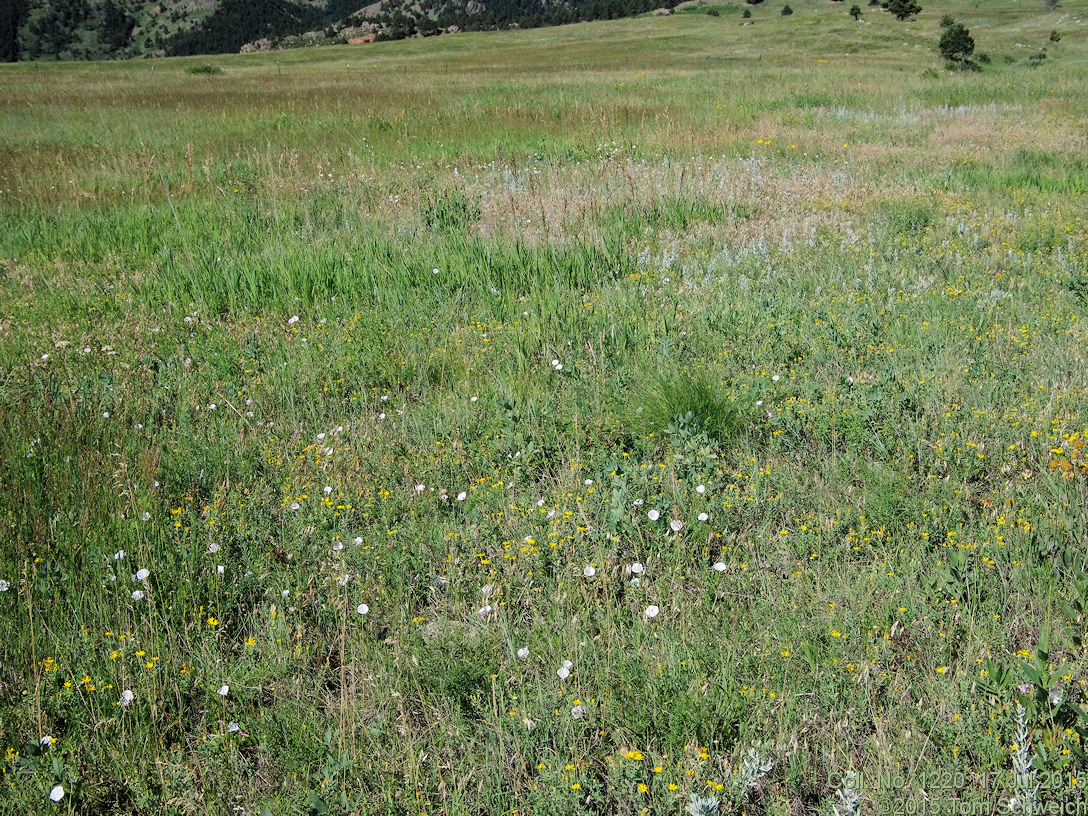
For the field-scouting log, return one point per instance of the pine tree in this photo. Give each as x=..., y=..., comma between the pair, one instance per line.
x=904, y=9
x=956, y=43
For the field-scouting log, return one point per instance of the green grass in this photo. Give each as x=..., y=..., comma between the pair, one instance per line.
x=450, y=318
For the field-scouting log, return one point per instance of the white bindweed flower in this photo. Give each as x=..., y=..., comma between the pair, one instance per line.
x=676, y=525
x=56, y=794
x=224, y=690
x=294, y=505
x=214, y=548
x=567, y=664
x=462, y=496
x=703, y=517
x=127, y=697
x=339, y=545
x=45, y=740
x=420, y=488
x=720, y=567
x=326, y=490
x=292, y=320
x=775, y=378
x=563, y=672
x=653, y=515
x=220, y=569
x=343, y=580
x=589, y=571
x=357, y=541
x=578, y=712
x=651, y=611
x=362, y=609
x=589, y=482
x=523, y=652
x=138, y=595
x=637, y=568
x=145, y=517
x=485, y=611
x=701, y=489
x=4, y=585
x=119, y=555
x=232, y=727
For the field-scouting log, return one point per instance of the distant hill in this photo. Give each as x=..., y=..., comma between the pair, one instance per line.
x=118, y=29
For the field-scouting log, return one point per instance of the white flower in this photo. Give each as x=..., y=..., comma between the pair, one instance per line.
x=758, y=403
x=294, y=505
x=462, y=496
x=232, y=727
x=224, y=690
x=563, y=672
x=45, y=740
x=141, y=575
x=293, y=320
x=703, y=517
x=589, y=571
x=589, y=482
x=285, y=594
x=119, y=555
x=637, y=503
x=321, y=437
x=420, y=488
x=578, y=712
x=127, y=697
x=474, y=399
x=485, y=590
x=523, y=652
x=720, y=566
x=567, y=664
x=653, y=515
x=137, y=595
x=211, y=407
x=637, y=568
x=651, y=611
x=358, y=540
x=326, y=490
x=555, y=362
x=701, y=489
x=775, y=378
x=213, y=548
x=676, y=525
x=145, y=517
x=56, y=794
x=343, y=580
x=339, y=545
x=485, y=611
x=4, y=585
x=362, y=609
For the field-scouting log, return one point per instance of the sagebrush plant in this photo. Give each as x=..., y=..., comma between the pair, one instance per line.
x=538, y=420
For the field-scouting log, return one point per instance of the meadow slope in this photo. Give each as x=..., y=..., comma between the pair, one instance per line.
x=578, y=420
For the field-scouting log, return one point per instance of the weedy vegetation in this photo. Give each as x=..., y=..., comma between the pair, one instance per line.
x=657, y=416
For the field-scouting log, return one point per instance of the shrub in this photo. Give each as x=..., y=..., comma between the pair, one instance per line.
x=855, y=12
x=786, y=10
x=1055, y=36
x=747, y=14
x=947, y=20
x=206, y=68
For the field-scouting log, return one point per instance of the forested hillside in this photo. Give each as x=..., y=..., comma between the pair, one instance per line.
x=107, y=29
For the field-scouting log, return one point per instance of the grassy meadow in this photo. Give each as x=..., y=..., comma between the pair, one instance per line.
x=674, y=415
